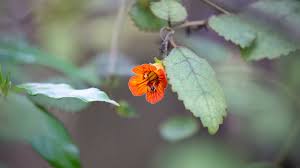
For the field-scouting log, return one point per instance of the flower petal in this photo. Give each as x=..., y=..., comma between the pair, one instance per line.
x=141, y=69
x=154, y=97
x=136, y=86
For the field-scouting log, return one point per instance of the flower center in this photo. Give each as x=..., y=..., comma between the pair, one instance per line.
x=152, y=79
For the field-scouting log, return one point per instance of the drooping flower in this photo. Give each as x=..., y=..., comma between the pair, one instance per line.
x=149, y=79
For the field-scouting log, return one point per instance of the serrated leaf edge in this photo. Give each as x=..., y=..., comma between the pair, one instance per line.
x=185, y=106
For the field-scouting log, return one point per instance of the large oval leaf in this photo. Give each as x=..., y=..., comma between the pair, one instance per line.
x=22, y=121
x=196, y=85
x=63, y=91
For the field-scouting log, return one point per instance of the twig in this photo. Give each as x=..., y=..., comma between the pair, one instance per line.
x=191, y=24
x=172, y=42
x=216, y=6
x=115, y=37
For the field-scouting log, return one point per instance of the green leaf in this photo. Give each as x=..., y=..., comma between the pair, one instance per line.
x=270, y=41
x=196, y=85
x=64, y=91
x=178, y=128
x=126, y=110
x=233, y=28
x=169, y=10
x=25, y=122
x=19, y=52
x=73, y=104
x=144, y=19
x=199, y=153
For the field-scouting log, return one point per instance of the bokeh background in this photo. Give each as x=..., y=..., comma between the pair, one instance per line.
x=263, y=96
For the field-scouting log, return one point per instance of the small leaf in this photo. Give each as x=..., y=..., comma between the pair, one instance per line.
x=144, y=19
x=178, y=128
x=25, y=122
x=126, y=110
x=196, y=85
x=59, y=91
x=233, y=28
x=169, y=10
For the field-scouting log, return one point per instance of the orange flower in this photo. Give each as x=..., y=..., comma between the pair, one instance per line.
x=149, y=79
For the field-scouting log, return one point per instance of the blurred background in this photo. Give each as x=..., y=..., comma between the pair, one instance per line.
x=262, y=96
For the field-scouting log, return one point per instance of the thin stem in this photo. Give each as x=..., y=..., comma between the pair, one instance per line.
x=191, y=24
x=115, y=37
x=172, y=42
x=216, y=7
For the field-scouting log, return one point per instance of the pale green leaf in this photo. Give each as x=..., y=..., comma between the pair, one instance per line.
x=73, y=104
x=233, y=28
x=196, y=85
x=22, y=121
x=178, y=128
x=169, y=10
x=62, y=91
x=144, y=19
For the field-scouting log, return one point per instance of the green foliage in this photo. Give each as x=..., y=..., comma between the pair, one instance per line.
x=248, y=96
x=196, y=85
x=5, y=83
x=200, y=153
x=64, y=104
x=21, y=53
x=126, y=110
x=233, y=28
x=170, y=10
x=61, y=91
x=26, y=122
x=178, y=128
x=268, y=41
x=144, y=19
